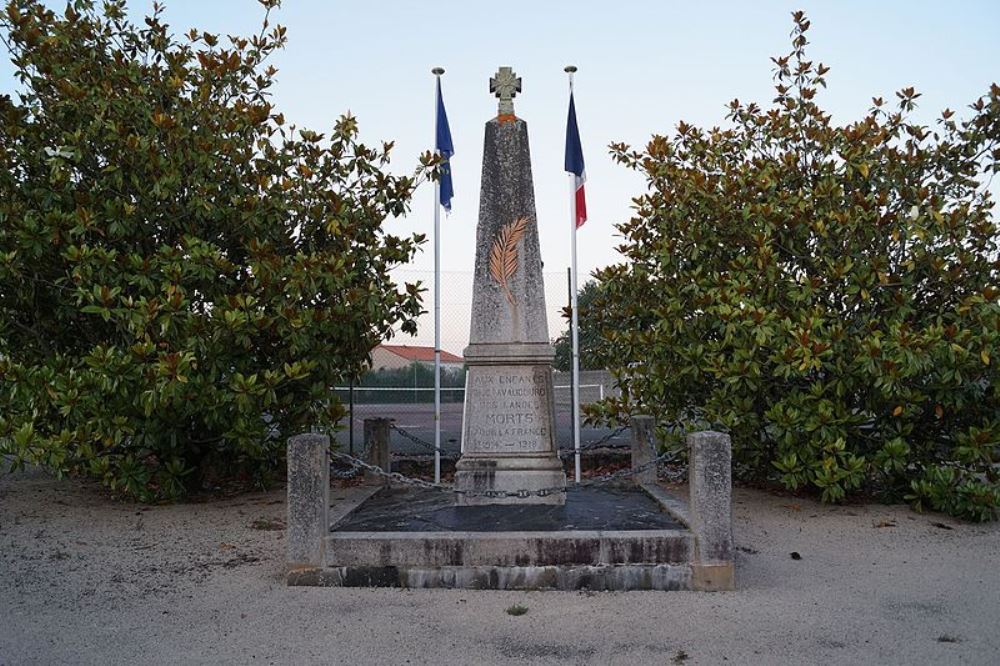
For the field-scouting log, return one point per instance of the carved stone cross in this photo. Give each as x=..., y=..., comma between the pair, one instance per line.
x=505, y=84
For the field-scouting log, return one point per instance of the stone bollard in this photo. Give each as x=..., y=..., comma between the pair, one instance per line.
x=711, y=487
x=377, y=449
x=643, y=448
x=308, y=500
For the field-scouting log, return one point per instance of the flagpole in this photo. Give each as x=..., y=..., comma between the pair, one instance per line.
x=437, y=71
x=574, y=322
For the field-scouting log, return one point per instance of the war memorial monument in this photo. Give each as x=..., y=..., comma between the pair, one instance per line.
x=510, y=521
x=509, y=431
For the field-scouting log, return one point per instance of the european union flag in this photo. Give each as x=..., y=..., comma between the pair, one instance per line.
x=444, y=146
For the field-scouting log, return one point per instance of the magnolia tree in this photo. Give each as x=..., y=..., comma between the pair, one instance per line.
x=183, y=276
x=826, y=294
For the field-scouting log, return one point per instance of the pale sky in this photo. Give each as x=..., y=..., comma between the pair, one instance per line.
x=643, y=66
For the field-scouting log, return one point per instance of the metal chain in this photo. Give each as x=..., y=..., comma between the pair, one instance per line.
x=345, y=474
x=497, y=494
x=413, y=438
x=357, y=466
x=427, y=445
x=603, y=441
x=352, y=471
x=424, y=457
x=392, y=476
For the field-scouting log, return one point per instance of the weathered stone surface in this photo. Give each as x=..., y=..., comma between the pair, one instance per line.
x=510, y=474
x=508, y=438
x=620, y=539
x=377, y=449
x=643, y=448
x=308, y=500
x=599, y=578
x=587, y=508
x=407, y=549
x=510, y=410
x=710, y=478
x=713, y=577
x=508, y=194
x=674, y=506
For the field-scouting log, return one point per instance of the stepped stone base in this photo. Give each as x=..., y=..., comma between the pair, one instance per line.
x=599, y=578
x=480, y=475
x=508, y=433
x=622, y=538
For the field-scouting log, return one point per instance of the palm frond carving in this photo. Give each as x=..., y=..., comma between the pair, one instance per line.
x=503, y=254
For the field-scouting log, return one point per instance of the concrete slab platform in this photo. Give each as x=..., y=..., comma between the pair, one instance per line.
x=603, y=538
x=589, y=508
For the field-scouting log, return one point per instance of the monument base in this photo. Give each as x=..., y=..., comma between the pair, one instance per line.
x=508, y=434
x=610, y=538
x=494, y=477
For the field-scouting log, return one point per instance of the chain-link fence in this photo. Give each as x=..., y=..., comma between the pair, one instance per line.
x=356, y=465
x=667, y=464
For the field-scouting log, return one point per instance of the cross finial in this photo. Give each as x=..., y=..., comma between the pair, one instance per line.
x=505, y=84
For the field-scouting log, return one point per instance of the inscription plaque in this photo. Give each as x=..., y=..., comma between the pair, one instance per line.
x=512, y=414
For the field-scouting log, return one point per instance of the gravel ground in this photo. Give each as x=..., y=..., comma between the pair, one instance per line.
x=86, y=580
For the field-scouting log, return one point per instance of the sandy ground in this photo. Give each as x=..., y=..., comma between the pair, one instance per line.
x=85, y=580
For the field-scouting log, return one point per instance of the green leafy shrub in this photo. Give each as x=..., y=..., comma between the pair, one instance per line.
x=826, y=294
x=182, y=275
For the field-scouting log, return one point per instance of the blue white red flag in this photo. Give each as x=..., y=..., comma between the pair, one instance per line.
x=574, y=162
x=444, y=146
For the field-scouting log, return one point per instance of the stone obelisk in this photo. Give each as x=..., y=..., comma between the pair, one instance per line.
x=508, y=437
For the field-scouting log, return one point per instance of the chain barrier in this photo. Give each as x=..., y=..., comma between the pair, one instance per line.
x=419, y=442
x=413, y=438
x=353, y=470
x=602, y=442
x=498, y=494
x=345, y=474
x=672, y=475
x=357, y=465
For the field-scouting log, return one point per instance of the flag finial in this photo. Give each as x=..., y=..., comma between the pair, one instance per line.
x=569, y=69
x=437, y=71
x=505, y=84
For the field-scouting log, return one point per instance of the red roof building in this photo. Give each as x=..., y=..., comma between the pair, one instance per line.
x=390, y=357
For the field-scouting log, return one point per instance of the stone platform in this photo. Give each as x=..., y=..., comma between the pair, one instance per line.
x=628, y=537
x=589, y=508
x=602, y=539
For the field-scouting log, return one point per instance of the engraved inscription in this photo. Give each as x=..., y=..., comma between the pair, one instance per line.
x=511, y=413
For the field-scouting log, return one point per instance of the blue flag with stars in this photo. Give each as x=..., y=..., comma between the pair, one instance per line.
x=444, y=146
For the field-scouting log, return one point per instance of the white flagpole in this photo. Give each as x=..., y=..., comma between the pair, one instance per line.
x=437, y=71
x=574, y=323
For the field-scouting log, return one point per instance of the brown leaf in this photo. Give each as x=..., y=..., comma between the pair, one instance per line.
x=503, y=254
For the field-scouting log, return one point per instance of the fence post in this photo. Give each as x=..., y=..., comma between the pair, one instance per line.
x=350, y=412
x=711, y=488
x=308, y=499
x=643, y=448
x=377, y=448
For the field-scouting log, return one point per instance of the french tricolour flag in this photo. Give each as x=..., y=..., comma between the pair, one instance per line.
x=574, y=162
